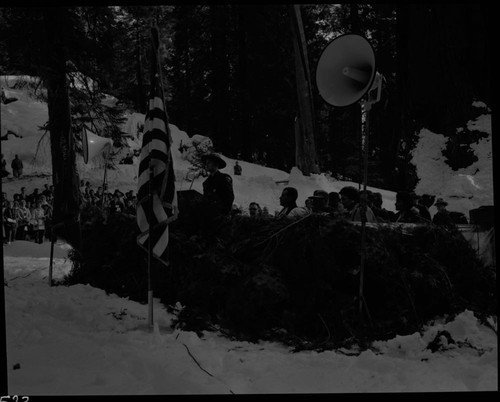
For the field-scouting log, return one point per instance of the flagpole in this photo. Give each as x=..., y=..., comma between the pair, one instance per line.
x=150, y=246
x=52, y=238
x=104, y=177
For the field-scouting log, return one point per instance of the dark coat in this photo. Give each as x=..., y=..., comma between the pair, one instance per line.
x=424, y=212
x=383, y=215
x=10, y=214
x=218, y=192
x=443, y=218
x=409, y=216
x=16, y=164
x=116, y=206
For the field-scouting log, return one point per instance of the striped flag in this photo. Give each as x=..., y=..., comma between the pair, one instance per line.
x=156, y=169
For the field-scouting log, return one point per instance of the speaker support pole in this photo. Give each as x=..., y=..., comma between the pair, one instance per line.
x=364, y=203
x=350, y=59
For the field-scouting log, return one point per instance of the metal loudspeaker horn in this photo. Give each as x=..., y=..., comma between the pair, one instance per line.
x=94, y=145
x=346, y=70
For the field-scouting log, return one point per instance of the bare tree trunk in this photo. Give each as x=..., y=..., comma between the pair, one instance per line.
x=306, y=157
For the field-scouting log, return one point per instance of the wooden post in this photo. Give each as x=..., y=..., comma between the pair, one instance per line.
x=364, y=202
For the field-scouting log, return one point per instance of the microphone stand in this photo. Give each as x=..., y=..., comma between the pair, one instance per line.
x=366, y=107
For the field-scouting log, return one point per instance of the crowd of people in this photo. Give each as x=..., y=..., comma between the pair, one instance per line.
x=111, y=202
x=29, y=216
x=410, y=208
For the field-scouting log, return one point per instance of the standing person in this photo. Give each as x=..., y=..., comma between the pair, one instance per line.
x=24, y=217
x=4, y=199
x=116, y=205
x=10, y=222
x=350, y=199
x=288, y=200
x=442, y=216
x=218, y=191
x=130, y=208
x=46, y=191
x=91, y=199
x=237, y=169
x=33, y=198
x=22, y=195
x=38, y=219
x=4, y=167
x=17, y=167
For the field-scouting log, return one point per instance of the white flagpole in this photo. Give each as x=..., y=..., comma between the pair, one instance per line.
x=150, y=244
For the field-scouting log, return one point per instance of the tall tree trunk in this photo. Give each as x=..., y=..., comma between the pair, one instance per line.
x=64, y=174
x=244, y=132
x=221, y=78
x=406, y=120
x=306, y=158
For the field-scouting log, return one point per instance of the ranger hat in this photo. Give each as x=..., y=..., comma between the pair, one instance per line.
x=221, y=164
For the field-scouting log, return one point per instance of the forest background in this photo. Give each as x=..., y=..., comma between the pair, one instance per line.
x=229, y=73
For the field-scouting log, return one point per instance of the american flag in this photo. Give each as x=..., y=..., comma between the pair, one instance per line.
x=156, y=169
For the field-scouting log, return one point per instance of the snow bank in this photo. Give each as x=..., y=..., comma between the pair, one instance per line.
x=466, y=188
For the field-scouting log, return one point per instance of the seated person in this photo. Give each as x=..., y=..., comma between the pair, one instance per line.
x=254, y=210
x=407, y=212
x=320, y=202
x=350, y=199
x=288, y=200
x=422, y=209
x=382, y=214
x=442, y=216
x=334, y=205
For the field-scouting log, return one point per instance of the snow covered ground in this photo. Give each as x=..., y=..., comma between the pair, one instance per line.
x=78, y=340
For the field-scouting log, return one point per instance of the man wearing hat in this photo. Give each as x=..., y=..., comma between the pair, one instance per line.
x=442, y=216
x=218, y=187
x=320, y=202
